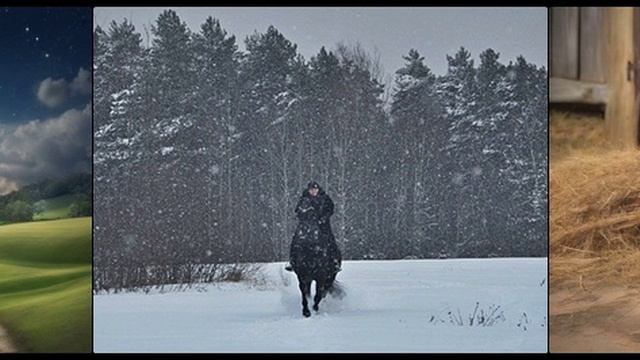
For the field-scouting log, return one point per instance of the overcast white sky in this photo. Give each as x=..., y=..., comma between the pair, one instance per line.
x=434, y=32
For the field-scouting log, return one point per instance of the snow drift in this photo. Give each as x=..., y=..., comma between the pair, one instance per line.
x=390, y=306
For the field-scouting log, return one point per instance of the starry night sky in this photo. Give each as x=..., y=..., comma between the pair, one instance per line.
x=35, y=44
x=45, y=94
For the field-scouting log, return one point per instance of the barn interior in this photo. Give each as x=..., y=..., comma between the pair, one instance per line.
x=594, y=167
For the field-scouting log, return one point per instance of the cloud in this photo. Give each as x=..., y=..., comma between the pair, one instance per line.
x=42, y=149
x=82, y=83
x=7, y=186
x=54, y=93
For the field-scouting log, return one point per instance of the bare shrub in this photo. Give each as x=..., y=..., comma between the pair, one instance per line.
x=174, y=277
x=480, y=316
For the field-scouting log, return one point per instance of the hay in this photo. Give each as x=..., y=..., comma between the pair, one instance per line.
x=571, y=132
x=595, y=216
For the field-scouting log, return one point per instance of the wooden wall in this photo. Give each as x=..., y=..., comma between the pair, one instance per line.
x=577, y=41
x=591, y=45
x=594, y=55
x=563, y=51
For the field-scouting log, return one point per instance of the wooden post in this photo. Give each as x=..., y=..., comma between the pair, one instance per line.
x=621, y=114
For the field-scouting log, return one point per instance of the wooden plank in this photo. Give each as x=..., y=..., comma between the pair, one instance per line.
x=591, y=43
x=564, y=42
x=621, y=114
x=577, y=92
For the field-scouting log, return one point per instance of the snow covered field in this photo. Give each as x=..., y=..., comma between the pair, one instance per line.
x=391, y=306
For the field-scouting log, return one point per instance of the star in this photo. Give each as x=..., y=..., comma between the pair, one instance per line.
x=46, y=55
x=27, y=29
x=37, y=38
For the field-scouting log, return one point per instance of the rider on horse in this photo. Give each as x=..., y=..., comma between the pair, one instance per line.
x=315, y=208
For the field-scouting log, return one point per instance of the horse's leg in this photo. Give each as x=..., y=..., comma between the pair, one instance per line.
x=305, y=289
x=319, y=294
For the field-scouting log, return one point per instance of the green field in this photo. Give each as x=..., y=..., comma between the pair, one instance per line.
x=45, y=285
x=55, y=208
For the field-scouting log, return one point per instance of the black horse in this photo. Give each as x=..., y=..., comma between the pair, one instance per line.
x=311, y=259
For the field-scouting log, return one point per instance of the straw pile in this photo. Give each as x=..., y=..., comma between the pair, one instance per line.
x=594, y=208
x=570, y=133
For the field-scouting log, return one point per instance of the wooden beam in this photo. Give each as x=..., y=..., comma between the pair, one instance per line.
x=577, y=92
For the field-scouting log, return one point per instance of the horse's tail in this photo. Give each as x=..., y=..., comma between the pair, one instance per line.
x=336, y=289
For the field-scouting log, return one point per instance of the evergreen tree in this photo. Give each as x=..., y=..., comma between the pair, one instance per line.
x=265, y=99
x=216, y=63
x=416, y=113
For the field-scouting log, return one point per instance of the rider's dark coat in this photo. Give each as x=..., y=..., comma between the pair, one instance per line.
x=323, y=206
x=313, y=213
